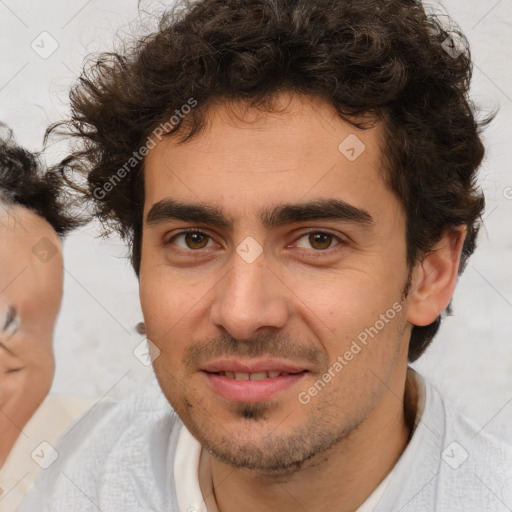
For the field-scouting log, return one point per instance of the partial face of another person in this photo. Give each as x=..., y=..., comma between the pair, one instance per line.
x=268, y=250
x=31, y=279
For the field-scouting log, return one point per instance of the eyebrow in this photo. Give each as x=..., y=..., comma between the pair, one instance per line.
x=321, y=209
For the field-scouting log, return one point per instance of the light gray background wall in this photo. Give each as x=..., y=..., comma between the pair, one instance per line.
x=471, y=359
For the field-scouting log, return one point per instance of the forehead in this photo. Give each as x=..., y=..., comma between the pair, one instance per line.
x=22, y=272
x=247, y=158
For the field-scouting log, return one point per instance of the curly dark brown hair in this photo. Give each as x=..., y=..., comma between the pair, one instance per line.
x=389, y=61
x=23, y=182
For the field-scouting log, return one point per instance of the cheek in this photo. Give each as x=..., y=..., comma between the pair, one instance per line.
x=22, y=392
x=155, y=292
x=36, y=350
x=172, y=305
x=342, y=302
x=359, y=321
x=166, y=300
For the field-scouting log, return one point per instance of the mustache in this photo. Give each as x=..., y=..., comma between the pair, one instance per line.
x=265, y=345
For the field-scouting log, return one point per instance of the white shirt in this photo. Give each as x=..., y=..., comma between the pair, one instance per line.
x=129, y=456
x=34, y=447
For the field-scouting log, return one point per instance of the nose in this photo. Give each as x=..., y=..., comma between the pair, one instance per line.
x=249, y=299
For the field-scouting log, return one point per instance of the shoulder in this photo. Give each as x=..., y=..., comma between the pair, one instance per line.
x=476, y=462
x=487, y=450
x=474, y=468
x=450, y=464
x=114, y=457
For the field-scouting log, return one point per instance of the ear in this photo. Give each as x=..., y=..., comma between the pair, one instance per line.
x=434, y=279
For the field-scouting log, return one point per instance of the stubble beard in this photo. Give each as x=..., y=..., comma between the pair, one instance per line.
x=268, y=453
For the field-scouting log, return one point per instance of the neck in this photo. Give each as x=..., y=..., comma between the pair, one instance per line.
x=344, y=475
x=14, y=417
x=9, y=433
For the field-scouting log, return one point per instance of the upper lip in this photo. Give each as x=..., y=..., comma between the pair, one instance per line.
x=251, y=366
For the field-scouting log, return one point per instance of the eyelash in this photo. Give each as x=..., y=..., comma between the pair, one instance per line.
x=317, y=252
x=11, y=323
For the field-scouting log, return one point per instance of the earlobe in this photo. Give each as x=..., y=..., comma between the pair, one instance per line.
x=434, y=279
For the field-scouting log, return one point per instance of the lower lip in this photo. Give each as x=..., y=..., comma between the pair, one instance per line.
x=251, y=390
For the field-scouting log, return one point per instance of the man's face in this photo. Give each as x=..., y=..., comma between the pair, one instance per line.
x=30, y=296
x=269, y=289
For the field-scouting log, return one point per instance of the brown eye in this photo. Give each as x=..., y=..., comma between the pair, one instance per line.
x=190, y=240
x=196, y=240
x=320, y=240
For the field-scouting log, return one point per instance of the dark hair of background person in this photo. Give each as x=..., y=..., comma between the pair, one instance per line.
x=375, y=61
x=24, y=183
